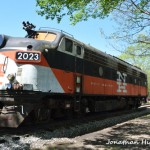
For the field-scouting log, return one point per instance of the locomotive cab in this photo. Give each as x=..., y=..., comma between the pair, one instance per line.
x=23, y=61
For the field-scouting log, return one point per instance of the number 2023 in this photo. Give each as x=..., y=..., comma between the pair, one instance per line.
x=27, y=56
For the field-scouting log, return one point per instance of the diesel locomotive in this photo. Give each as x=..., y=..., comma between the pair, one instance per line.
x=48, y=74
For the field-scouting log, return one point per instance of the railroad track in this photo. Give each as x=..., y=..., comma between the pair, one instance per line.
x=98, y=120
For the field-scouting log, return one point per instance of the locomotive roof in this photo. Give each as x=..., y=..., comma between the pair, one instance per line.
x=62, y=33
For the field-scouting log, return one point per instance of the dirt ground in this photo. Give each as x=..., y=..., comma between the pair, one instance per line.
x=133, y=134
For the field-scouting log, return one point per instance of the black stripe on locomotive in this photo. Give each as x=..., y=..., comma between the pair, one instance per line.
x=91, y=62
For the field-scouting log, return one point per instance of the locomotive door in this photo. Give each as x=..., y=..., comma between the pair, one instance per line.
x=139, y=88
x=78, y=68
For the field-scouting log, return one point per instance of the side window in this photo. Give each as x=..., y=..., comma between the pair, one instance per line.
x=68, y=45
x=78, y=50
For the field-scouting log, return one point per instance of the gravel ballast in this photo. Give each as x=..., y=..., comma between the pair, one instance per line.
x=42, y=139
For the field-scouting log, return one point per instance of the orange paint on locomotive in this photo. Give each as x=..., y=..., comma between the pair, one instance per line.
x=95, y=85
x=66, y=80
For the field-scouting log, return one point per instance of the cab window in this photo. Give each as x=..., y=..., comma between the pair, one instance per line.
x=68, y=45
x=78, y=50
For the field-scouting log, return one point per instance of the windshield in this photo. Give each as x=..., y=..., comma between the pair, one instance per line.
x=45, y=36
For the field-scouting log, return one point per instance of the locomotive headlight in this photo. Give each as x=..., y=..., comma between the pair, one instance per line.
x=11, y=77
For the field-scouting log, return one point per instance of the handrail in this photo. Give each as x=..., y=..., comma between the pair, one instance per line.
x=5, y=64
x=55, y=29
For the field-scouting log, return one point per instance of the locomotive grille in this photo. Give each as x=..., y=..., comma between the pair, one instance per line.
x=19, y=71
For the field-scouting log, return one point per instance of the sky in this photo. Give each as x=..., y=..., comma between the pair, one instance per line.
x=14, y=12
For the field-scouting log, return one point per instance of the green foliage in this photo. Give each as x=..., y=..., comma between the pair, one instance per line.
x=77, y=10
x=133, y=18
x=138, y=55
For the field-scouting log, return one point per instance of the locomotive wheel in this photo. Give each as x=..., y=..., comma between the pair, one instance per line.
x=82, y=111
x=1, y=106
x=68, y=114
x=83, y=105
x=42, y=114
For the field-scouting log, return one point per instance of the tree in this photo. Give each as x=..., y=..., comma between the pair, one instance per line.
x=77, y=10
x=140, y=43
x=135, y=56
x=133, y=16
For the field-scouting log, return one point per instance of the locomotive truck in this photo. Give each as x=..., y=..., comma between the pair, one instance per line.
x=48, y=74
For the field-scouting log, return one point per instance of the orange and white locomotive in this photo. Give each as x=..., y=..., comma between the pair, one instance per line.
x=49, y=73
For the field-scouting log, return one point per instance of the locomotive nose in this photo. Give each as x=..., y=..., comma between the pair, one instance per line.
x=3, y=40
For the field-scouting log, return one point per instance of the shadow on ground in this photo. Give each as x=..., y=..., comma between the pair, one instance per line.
x=133, y=135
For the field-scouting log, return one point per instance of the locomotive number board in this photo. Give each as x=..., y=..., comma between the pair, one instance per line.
x=28, y=56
